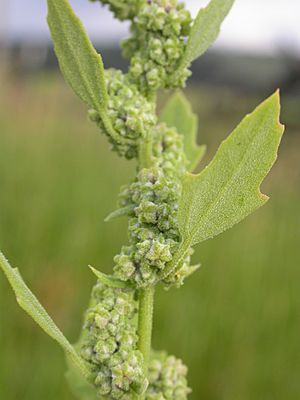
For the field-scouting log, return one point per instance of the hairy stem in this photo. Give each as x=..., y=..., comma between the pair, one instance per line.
x=146, y=300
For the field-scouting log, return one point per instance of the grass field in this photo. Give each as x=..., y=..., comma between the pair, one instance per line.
x=235, y=323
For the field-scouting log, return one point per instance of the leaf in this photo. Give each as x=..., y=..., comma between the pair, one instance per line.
x=205, y=29
x=31, y=305
x=80, y=388
x=120, y=212
x=79, y=62
x=178, y=113
x=109, y=280
x=227, y=190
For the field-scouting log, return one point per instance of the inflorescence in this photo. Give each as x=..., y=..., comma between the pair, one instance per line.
x=159, y=29
x=153, y=200
x=109, y=343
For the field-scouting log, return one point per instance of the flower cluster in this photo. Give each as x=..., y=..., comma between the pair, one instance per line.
x=152, y=229
x=168, y=151
x=123, y=9
x=167, y=378
x=109, y=343
x=153, y=226
x=131, y=115
x=157, y=44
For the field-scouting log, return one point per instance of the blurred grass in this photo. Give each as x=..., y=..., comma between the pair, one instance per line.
x=236, y=323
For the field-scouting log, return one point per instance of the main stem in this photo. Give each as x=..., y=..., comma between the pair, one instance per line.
x=146, y=296
x=146, y=301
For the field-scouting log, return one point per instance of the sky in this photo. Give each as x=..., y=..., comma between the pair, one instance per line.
x=253, y=26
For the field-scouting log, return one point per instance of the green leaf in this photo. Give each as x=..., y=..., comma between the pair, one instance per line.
x=80, y=388
x=31, y=305
x=227, y=190
x=120, y=212
x=109, y=280
x=206, y=29
x=178, y=113
x=79, y=62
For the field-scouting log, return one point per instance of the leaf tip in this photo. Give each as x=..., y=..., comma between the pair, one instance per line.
x=93, y=269
x=273, y=103
x=264, y=198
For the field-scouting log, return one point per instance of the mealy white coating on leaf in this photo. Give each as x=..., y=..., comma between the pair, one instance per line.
x=205, y=29
x=79, y=62
x=227, y=190
x=178, y=113
x=32, y=306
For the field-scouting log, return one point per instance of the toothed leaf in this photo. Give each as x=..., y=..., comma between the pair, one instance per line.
x=227, y=190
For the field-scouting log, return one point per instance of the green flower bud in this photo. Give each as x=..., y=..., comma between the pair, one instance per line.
x=159, y=253
x=124, y=268
x=104, y=349
x=147, y=212
x=167, y=378
x=103, y=382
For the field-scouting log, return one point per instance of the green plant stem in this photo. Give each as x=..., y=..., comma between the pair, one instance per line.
x=145, y=152
x=146, y=301
x=146, y=296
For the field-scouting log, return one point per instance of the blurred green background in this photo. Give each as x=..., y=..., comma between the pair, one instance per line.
x=235, y=323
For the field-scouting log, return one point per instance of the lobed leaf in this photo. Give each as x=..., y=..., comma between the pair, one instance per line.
x=178, y=113
x=31, y=305
x=227, y=190
x=79, y=62
x=205, y=29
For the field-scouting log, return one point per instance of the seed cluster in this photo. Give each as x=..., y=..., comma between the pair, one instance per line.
x=131, y=115
x=157, y=44
x=167, y=378
x=109, y=343
x=153, y=227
